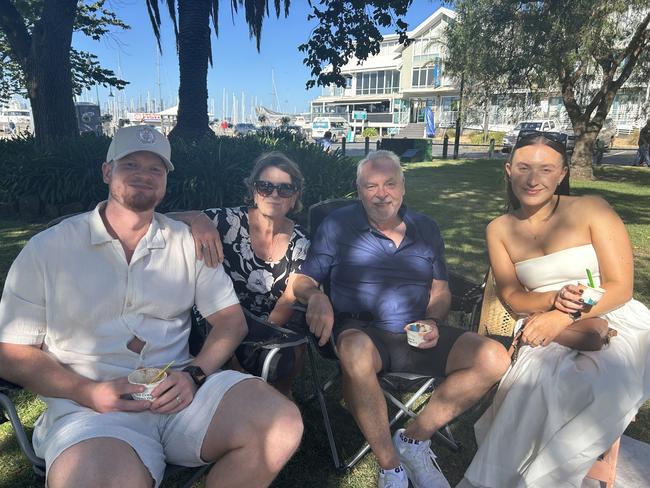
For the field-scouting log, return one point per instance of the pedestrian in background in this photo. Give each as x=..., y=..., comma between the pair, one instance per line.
x=643, y=155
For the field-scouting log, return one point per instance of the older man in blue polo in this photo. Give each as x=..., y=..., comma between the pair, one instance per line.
x=386, y=268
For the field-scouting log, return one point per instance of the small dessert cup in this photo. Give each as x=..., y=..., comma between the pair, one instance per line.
x=146, y=377
x=415, y=332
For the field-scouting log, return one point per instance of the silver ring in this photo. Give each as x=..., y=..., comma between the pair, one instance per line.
x=178, y=399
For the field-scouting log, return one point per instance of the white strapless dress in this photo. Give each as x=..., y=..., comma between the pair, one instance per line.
x=556, y=409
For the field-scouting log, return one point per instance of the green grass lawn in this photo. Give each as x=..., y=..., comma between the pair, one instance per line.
x=463, y=196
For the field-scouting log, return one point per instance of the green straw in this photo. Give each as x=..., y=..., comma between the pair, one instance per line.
x=591, y=279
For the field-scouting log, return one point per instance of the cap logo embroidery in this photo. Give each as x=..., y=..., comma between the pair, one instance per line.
x=146, y=136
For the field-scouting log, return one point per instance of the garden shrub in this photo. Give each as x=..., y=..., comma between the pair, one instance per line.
x=370, y=132
x=477, y=138
x=208, y=174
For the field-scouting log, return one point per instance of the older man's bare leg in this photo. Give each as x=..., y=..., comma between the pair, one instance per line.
x=474, y=365
x=103, y=462
x=252, y=435
x=360, y=363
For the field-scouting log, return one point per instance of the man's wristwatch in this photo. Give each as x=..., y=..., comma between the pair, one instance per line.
x=197, y=374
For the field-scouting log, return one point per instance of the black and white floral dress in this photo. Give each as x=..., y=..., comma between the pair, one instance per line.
x=258, y=283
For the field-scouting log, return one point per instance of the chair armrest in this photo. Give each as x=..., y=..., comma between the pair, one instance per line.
x=465, y=293
x=7, y=408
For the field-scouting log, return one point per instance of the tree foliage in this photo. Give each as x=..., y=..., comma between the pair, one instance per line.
x=192, y=29
x=585, y=49
x=346, y=30
x=92, y=19
x=254, y=12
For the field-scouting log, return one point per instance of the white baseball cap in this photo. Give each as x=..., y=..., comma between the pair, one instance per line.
x=128, y=140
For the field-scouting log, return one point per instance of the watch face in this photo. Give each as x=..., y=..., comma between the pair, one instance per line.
x=197, y=374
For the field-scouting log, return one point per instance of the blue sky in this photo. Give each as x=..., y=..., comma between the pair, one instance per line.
x=237, y=64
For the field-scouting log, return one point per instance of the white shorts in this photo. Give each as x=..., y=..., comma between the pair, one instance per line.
x=157, y=439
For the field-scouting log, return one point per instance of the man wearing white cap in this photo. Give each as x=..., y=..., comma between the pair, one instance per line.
x=109, y=291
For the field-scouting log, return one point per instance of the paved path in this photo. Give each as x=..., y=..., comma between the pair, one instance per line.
x=633, y=470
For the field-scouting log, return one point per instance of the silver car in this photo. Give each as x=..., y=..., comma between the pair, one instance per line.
x=605, y=136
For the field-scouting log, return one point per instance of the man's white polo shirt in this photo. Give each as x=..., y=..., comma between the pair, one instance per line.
x=71, y=289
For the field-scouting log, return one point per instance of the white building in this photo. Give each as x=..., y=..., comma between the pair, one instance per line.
x=394, y=87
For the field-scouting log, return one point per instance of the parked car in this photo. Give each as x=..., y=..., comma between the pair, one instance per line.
x=337, y=126
x=244, y=129
x=605, y=136
x=543, y=125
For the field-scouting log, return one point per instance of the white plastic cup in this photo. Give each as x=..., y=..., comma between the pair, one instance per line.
x=415, y=332
x=590, y=296
x=144, y=377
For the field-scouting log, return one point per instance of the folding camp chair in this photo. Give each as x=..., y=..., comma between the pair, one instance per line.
x=392, y=384
x=497, y=320
x=261, y=334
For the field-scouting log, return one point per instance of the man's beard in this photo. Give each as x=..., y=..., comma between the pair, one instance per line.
x=137, y=201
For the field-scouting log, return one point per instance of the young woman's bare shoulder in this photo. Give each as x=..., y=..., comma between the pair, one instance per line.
x=498, y=226
x=588, y=204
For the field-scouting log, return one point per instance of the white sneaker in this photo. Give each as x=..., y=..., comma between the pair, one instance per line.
x=420, y=464
x=392, y=479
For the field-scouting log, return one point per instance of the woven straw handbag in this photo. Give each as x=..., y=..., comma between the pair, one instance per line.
x=497, y=319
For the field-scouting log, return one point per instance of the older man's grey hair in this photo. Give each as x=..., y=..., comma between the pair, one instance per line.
x=381, y=155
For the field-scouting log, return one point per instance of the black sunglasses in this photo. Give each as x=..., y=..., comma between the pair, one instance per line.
x=551, y=136
x=265, y=188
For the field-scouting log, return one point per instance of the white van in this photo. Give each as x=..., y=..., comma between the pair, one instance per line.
x=338, y=126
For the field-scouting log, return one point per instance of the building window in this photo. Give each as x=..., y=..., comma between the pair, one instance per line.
x=426, y=48
x=377, y=82
x=426, y=76
x=387, y=47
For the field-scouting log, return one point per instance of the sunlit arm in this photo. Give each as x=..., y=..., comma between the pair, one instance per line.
x=37, y=371
x=439, y=300
x=614, y=253
x=228, y=330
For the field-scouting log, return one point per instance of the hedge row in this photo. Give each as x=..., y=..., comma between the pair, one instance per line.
x=208, y=174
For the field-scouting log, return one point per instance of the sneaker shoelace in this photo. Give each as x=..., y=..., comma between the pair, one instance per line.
x=425, y=455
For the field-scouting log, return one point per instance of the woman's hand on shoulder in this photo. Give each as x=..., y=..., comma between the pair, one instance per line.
x=207, y=240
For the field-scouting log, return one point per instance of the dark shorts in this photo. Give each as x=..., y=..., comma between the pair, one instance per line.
x=396, y=354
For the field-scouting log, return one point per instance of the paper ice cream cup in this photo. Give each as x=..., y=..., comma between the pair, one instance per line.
x=591, y=296
x=145, y=377
x=415, y=332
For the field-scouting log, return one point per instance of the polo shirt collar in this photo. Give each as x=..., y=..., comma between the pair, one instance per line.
x=100, y=235
x=362, y=223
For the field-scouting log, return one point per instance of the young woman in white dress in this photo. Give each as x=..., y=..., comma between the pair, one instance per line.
x=557, y=408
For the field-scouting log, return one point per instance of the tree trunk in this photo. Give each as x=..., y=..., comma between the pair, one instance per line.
x=48, y=73
x=583, y=155
x=193, y=56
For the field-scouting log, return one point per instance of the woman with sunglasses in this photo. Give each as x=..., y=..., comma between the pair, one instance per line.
x=558, y=407
x=260, y=246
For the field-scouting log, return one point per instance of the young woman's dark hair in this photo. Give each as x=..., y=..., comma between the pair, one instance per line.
x=276, y=159
x=512, y=202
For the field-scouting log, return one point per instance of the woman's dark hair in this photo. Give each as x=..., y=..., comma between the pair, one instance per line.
x=276, y=159
x=512, y=202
